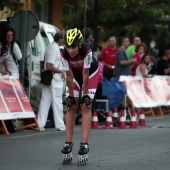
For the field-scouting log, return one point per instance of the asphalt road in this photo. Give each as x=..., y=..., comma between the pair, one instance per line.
x=144, y=148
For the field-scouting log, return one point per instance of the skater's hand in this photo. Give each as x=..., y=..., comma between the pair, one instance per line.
x=70, y=101
x=87, y=101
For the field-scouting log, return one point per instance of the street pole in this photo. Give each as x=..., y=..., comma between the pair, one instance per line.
x=95, y=28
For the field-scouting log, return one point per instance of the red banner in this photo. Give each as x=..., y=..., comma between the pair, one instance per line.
x=14, y=103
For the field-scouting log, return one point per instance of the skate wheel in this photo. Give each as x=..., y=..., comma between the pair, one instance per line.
x=82, y=159
x=67, y=158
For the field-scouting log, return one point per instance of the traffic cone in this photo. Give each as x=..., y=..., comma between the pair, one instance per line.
x=142, y=121
x=95, y=123
x=133, y=122
x=108, y=124
x=122, y=122
x=115, y=117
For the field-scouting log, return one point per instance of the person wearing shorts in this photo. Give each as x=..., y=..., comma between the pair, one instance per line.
x=82, y=77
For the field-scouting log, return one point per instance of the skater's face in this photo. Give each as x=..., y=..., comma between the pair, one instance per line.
x=72, y=50
x=9, y=36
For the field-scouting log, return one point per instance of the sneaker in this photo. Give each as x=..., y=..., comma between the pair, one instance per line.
x=42, y=129
x=60, y=129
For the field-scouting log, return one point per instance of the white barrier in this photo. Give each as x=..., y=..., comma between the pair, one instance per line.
x=148, y=92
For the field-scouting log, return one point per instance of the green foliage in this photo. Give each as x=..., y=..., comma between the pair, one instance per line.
x=42, y=2
x=77, y=19
x=123, y=18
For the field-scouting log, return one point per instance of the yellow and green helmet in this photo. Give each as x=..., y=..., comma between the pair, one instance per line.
x=73, y=37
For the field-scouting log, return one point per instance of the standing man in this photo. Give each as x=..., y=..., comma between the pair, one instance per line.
x=122, y=66
x=131, y=50
x=82, y=77
x=108, y=56
x=53, y=93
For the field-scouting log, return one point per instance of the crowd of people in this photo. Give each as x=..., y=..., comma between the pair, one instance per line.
x=135, y=59
x=113, y=61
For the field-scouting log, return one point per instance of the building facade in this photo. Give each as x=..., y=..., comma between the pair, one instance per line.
x=52, y=11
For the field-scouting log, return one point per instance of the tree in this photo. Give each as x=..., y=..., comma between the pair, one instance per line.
x=124, y=18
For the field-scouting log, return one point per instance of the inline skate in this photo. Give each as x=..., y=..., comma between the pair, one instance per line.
x=67, y=153
x=82, y=154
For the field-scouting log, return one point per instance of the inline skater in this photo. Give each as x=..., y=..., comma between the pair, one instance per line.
x=81, y=75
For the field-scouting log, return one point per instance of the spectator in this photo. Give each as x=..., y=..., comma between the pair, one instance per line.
x=53, y=93
x=108, y=56
x=100, y=65
x=122, y=65
x=162, y=67
x=3, y=59
x=140, y=50
x=131, y=49
x=88, y=40
x=13, y=50
x=143, y=69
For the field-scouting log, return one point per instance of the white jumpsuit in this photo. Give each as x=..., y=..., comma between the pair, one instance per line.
x=52, y=93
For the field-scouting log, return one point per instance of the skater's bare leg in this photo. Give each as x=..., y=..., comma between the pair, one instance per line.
x=86, y=125
x=70, y=122
x=86, y=122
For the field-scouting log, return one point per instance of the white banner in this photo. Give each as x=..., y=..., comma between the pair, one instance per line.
x=14, y=103
x=148, y=92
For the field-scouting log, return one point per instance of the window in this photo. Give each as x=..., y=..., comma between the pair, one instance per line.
x=50, y=36
x=69, y=9
x=42, y=11
x=45, y=39
x=34, y=47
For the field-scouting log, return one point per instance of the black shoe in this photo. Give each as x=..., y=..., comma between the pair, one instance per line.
x=67, y=148
x=84, y=148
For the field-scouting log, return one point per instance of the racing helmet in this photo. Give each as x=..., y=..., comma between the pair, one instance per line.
x=73, y=37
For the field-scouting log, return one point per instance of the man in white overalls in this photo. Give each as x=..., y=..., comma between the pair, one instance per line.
x=53, y=93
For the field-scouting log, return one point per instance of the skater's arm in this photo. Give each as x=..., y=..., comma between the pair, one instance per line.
x=69, y=78
x=85, y=80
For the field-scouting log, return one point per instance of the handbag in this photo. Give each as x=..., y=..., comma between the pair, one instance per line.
x=46, y=77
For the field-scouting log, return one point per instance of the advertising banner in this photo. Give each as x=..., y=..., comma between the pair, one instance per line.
x=148, y=92
x=14, y=103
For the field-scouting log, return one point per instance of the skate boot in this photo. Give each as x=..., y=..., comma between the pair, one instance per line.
x=82, y=153
x=67, y=153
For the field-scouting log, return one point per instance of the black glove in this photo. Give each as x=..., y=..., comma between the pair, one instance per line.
x=70, y=101
x=86, y=100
